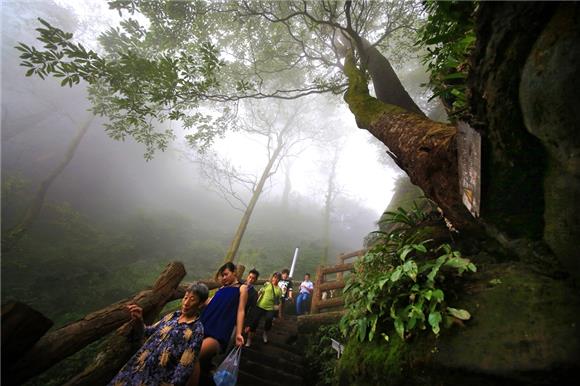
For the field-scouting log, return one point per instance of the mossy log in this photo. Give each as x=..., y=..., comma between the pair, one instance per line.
x=65, y=341
x=111, y=358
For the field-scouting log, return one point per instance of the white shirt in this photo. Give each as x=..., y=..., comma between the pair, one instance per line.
x=305, y=286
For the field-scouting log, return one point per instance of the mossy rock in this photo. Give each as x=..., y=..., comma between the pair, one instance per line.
x=524, y=331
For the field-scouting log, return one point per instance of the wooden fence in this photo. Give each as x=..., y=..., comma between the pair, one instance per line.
x=328, y=292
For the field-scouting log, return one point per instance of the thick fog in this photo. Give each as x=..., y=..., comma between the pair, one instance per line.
x=112, y=216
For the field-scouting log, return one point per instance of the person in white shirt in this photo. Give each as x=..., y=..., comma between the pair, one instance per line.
x=306, y=289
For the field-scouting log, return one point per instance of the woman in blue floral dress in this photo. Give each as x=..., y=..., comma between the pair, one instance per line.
x=171, y=351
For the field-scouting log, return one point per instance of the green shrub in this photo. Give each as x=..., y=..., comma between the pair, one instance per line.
x=402, y=281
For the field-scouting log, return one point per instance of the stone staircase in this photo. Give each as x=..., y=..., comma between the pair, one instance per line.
x=278, y=362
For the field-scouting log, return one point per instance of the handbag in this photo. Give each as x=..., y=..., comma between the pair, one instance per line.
x=227, y=372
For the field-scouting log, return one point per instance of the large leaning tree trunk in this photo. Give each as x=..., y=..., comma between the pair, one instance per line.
x=424, y=149
x=256, y=193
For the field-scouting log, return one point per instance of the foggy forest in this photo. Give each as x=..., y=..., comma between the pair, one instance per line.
x=419, y=159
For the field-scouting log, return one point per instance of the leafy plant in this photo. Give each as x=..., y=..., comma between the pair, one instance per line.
x=401, y=280
x=320, y=357
x=449, y=37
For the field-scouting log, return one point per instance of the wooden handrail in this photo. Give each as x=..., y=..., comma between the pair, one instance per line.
x=323, y=286
x=331, y=285
x=343, y=256
x=338, y=268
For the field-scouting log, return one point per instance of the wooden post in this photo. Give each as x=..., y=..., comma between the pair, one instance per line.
x=316, y=296
x=339, y=260
x=240, y=269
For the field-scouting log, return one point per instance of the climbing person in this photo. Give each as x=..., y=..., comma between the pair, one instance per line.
x=224, y=311
x=171, y=351
x=269, y=298
x=285, y=285
x=251, y=279
x=305, y=292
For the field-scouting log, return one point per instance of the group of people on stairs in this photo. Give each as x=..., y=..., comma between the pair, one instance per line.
x=181, y=346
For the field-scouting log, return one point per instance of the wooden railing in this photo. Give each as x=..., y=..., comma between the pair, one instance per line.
x=328, y=292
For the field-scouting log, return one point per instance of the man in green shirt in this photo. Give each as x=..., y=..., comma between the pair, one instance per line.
x=267, y=306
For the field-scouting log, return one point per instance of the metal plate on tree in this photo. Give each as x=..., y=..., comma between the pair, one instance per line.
x=469, y=166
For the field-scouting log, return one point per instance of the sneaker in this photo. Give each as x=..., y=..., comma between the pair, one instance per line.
x=248, y=343
x=265, y=337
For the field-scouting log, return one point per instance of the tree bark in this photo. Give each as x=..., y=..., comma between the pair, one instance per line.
x=14, y=234
x=116, y=352
x=513, y=161
x=424, y=149
x=236, y=241
x=65, y=341
x=328, y=200
x=388, y=88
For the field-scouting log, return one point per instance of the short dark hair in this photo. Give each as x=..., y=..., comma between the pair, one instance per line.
x=255, y=272
x=306, y=274
x=277, y=274
x=200, y=290
x=229, y=265
x=286, y=270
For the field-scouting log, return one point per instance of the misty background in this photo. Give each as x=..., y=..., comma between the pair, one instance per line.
x=111, y=220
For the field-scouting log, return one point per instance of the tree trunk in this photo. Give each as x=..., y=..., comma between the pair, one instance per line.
x=287, y=187
x=513, y=161
x=329, y=198
x=236, y=241
x=116, y=352
x=386, y=83
x=59, y=344
x=14, y=234
x=424, y=149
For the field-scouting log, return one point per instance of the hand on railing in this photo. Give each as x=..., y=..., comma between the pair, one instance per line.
x=135, y=311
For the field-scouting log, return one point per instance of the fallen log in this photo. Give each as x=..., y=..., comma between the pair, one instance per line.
x=115, y=353
x=65, y=341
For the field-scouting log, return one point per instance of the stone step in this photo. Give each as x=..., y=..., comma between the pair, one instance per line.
x=273, y=350
x=279, y=375
x=283, y=341
x=279, y=360
x=248, y=379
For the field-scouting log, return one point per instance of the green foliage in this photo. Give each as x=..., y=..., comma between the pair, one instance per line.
x=402, y=281
x=449, y=37
x=320, y=357
x=135, y=86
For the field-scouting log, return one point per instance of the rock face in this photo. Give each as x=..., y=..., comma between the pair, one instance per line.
x=549, y=99
x=525, y=330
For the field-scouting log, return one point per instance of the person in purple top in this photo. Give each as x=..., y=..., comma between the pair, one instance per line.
x=171, y=352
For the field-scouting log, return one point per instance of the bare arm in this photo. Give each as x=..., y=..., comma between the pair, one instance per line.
x=241, y=314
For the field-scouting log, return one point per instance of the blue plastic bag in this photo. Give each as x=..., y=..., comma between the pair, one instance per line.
x=227, y=372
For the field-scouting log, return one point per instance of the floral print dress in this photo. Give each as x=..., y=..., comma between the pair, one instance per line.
x=167, y=357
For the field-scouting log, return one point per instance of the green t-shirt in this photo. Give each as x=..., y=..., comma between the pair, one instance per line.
x=266, y=302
